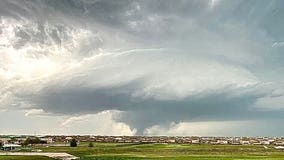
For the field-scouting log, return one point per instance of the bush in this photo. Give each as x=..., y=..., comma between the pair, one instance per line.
x=73, y=143
x=91, y=144
x=33, y=140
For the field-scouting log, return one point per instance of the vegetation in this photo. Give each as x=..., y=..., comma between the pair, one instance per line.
x=119, y=151
x=35, y=140
x=73, y=143
x=91, y=144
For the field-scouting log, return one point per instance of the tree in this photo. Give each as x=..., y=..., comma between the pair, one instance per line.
x=36, y=140
x=27, y=141
x=33, y=140
x=1, y=144
x=91, y=144
x=73, y=143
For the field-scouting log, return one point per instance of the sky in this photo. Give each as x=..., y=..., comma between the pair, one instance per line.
x=136, y=67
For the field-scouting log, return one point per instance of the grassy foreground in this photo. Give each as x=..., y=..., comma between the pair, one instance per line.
x=119, y=151
x=116, y=151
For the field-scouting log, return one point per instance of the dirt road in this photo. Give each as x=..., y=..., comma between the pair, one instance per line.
x=62, y=156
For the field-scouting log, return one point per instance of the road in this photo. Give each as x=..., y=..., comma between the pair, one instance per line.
x=62, y=156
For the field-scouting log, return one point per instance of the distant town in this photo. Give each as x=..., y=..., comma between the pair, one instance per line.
x=61, y=139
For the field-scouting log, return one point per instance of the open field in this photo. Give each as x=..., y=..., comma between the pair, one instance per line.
x=123, y=151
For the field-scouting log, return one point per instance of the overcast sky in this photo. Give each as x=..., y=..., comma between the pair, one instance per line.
x=159, y=67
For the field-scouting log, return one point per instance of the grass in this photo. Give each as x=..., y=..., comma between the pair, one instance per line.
x=118, y=151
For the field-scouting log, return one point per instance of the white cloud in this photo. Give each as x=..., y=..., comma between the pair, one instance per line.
x=34, y=112
x=98, y=124
x=29, y=122
x=217, y=128
x=171, y=77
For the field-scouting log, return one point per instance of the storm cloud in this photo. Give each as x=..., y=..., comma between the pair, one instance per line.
x=155, y=63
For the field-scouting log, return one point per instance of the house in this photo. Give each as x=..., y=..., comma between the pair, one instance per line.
x=279, y=143
x=244, y=142
x=11, y=147
x=5, y=140
x=68, y=139
x=171, y=140
x=222, y=142
x=195, y=141
x=47, y=140
x=279, y=147
x=265, y=142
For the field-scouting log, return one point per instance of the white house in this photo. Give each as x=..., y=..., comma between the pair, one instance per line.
x=279, y=147
x=244, y=142
x=265, y=142
x=10, y=147
x=222, y=142
x=195, y=141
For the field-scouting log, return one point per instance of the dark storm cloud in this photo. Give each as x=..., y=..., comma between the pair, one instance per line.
x=140, y=113
x=212, y=60
x=116, y=85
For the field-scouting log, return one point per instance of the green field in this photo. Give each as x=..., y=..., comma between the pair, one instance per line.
x=171, y=151
x=116, y=151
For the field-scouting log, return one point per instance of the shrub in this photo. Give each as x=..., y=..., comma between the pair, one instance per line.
x=91, y=144
x=73, y=143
